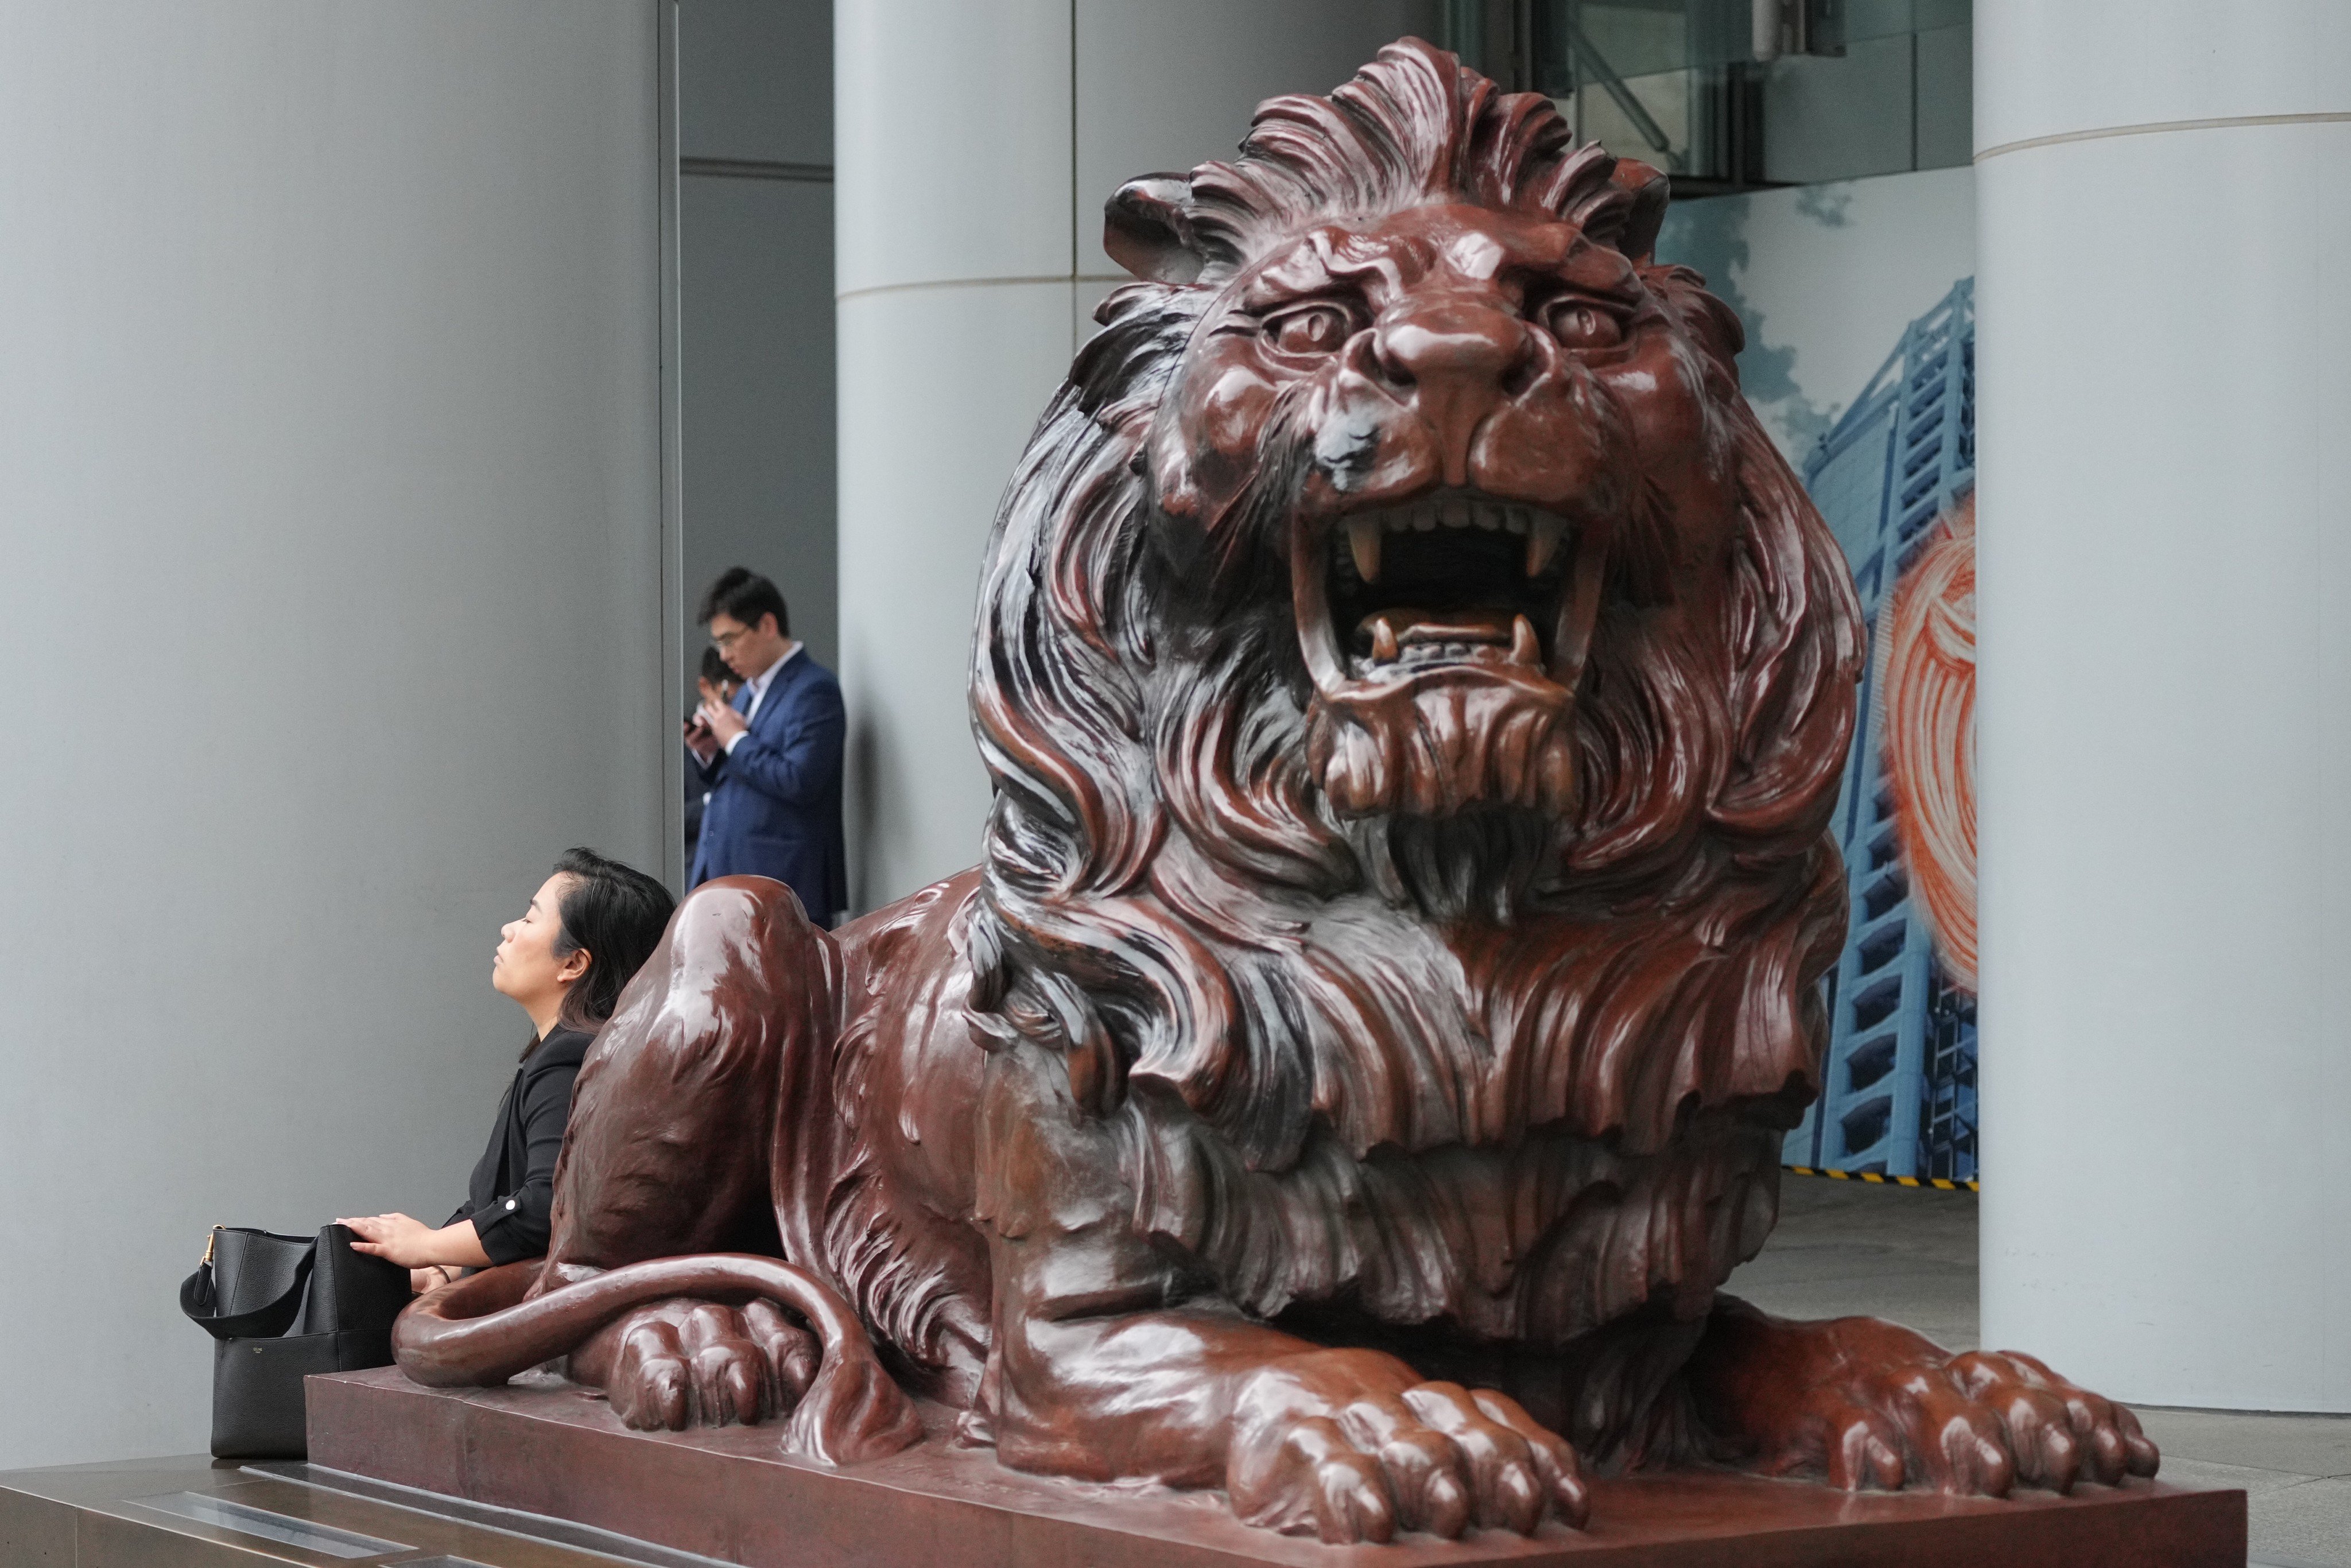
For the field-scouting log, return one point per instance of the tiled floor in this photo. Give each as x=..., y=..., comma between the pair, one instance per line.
x=1910, y=1255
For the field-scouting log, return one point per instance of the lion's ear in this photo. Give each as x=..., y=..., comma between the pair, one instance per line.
x=1648, y=188
x=1147, y=229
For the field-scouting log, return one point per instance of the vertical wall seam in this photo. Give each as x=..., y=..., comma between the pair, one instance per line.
x=1914, y=103
x=670, y=525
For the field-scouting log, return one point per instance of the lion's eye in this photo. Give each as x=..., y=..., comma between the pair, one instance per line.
x=1579, y=324
x=1321, y=329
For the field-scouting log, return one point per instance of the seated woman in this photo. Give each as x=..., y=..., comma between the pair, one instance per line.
x=589, y=928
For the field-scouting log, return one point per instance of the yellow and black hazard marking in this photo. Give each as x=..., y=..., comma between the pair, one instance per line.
x=1939, y=1184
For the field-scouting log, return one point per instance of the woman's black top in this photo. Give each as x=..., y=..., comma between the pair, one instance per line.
x=513, y=1181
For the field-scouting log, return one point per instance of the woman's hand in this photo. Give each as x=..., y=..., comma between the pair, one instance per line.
x=395, y=1238
x=422, y=1280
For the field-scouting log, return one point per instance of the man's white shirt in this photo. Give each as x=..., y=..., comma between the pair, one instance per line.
x=760, y=684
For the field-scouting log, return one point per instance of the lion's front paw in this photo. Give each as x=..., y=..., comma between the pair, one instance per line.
x=2055, y=1430
x=1872, y=1404
x=1349, y=1446
x=684, y=1364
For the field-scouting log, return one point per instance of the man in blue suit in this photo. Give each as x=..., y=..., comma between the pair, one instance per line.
x=771, y=758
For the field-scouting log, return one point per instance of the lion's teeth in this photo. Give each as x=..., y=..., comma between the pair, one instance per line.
x=1489, y=517
x=1364, y=544
x=1542, y=543
x=1424, y=520
x=1383, y=642
x=1524, y=649
x=1515, y=519
x=1457, y=514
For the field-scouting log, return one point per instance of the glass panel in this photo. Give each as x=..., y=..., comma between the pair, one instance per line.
x=223, y=1514
x=1731, y=95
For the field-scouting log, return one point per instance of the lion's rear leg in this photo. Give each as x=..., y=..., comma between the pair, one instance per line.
x=672, y=1119
x=669, y=1149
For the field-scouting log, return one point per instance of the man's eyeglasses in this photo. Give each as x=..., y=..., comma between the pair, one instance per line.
x=722, y=640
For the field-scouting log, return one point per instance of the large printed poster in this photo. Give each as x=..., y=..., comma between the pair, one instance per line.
x=1858, y=301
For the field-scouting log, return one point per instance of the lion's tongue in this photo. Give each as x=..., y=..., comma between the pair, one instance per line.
x=1406, y=627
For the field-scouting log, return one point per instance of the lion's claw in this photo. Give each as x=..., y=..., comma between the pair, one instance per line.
x=1863, y=1451
x=1359, y=1458
x=1429, y=1495
x=684, y=1364
x=2091, y=1431
x=1875, y=1405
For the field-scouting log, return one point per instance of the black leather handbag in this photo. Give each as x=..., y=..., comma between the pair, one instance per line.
x=281, y=1308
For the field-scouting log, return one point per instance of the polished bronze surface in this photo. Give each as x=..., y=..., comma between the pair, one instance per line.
x=727, y=1493
x=1417, y=691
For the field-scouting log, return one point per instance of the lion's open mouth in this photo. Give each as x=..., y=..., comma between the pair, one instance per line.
x=1449, y=582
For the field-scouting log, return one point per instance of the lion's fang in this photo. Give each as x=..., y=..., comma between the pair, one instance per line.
x=1542, y=542
x=1383, y=641
x=1524, y=649
x=1364, y=541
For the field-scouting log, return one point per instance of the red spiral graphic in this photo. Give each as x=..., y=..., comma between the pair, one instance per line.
x=1928, y=641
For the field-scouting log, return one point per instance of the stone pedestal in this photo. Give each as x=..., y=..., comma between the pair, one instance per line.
x=552, y=1449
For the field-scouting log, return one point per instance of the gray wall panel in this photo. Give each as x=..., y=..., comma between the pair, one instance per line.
x=757, y=395
x=757, y=80
x=329, y=610
x=756, y=398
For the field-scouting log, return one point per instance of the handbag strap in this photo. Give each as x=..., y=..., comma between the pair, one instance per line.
x=264, y=1322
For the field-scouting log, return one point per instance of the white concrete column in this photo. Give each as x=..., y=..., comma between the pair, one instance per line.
x=953, y=262
x=974, y=148
x=331, y=613
x=2164, y=356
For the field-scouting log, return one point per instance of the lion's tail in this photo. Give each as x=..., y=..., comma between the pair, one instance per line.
x=481, y=1331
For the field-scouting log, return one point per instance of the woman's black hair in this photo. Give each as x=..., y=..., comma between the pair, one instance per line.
x=617, y=913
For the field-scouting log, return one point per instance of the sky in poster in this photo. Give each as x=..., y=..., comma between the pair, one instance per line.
x=1825, y=278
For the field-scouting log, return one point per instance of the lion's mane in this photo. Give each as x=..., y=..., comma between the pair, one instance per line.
x=1288, y=1009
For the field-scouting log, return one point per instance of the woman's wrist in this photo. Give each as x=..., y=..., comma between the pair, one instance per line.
x=458, y=1245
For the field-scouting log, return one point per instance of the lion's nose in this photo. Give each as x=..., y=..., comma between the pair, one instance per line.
x=1452, y=362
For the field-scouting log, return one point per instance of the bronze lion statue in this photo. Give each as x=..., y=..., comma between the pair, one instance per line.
x=1415, y=691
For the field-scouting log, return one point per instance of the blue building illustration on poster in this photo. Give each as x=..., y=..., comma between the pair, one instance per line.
x=1899, y=1084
